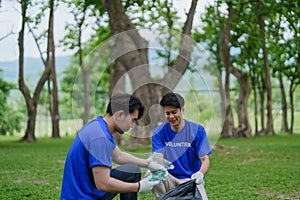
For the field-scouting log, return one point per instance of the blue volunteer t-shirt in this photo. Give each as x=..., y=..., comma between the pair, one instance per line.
x=183, y=148
x=93, y=146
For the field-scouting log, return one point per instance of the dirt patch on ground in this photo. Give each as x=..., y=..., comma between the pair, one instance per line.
x=31, y=181
x=274, y=194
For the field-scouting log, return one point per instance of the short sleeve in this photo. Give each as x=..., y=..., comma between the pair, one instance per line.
x=100, y=152
x=203, y=146
x=157, y=140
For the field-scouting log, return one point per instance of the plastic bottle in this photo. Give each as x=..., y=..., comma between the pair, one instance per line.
x=160, y=174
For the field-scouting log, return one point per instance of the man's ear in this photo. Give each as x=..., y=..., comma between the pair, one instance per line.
x=119, y=114
x=182, y=109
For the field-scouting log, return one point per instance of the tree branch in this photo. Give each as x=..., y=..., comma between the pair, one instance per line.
x=37, y=43
x=8, y=34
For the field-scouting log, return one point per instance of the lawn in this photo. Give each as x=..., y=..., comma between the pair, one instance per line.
x=264, y=168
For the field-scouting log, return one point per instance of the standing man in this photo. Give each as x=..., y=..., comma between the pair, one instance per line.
x=88, y=172
x=182, y=142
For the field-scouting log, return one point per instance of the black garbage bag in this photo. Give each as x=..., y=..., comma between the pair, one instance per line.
x=187, y=190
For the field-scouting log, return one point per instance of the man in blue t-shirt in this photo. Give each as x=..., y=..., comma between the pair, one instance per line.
x=182, y=142
x=88, y=172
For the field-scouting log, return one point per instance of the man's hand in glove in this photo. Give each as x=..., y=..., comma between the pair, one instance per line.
x=199, y=177
x=154, y=166
x=145, y=185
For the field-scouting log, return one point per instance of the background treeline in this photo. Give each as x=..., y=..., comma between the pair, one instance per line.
x=255, y=45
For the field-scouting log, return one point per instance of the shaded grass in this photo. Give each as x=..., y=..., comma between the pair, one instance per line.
x=264, y=168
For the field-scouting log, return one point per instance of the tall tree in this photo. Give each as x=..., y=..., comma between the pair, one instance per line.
x=79, y=12
x=40, y=39
x=278, y=57
x=231, y=36
x=253, y=76
x=292, y=70
x=261, y=11
x=211, y=35
x=31, y=101
x=236, y=40
x=83, y=12
x=137, y=55
x=51, y=64
x=225, y=55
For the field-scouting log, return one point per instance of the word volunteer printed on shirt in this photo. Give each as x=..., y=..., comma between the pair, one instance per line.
x=178, y=144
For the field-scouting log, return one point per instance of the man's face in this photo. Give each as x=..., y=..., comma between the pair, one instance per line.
x=173, y=115
x=125, y=122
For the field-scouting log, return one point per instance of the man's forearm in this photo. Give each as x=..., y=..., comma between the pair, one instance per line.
x=205, y=165
x=128, y=158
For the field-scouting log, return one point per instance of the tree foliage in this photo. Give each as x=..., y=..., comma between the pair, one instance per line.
x=10, y=119
x=264, y=37
x=87, y=15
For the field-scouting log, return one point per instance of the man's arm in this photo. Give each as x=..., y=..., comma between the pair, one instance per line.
x=121, y=157
x=199, y=176
x=104, y=182
x=159, y=155
x=205, y=164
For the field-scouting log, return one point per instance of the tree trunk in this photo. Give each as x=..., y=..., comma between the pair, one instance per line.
x=31, y=110
x=29, y=134
x=261, y=92
x=254, y=81
x=292, y=107
x=228, y=123
x=85, y=81
x=51, y=63
x=30, y=130
x=153, y=116
x=294, y=82
x=50, y=96
x=86, y=71
x=284, y=125
x=255, y=112
x=225, y=55
x=132, y=51
x=270, y=126
x=86, y=96
x=223, y=110
x=244, y=128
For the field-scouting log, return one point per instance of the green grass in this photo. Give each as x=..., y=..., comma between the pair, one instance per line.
x=262, y=168
x=32, y=170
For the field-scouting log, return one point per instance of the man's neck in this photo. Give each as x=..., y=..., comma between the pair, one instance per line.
x=179, y=127
x=110, y=123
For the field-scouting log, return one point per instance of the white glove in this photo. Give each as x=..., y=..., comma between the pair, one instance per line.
x=154, y=166
x=145, y=185
x=199, y=177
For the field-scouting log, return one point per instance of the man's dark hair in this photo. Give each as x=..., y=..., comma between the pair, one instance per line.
x=172, y=99
x=127, y=103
